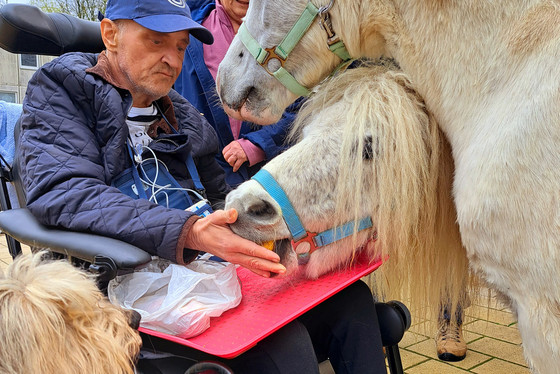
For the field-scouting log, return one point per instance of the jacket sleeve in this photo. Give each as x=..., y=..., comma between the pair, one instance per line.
x=67, y=128
x=271, y=138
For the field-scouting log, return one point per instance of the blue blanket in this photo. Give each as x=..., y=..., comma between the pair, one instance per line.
x=9, y=114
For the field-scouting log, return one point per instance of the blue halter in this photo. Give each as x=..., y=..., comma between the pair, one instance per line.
x=299, y=234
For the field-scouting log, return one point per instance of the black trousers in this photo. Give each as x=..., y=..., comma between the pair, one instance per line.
x=343, y=329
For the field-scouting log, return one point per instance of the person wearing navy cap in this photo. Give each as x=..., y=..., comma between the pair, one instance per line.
x=81, y=110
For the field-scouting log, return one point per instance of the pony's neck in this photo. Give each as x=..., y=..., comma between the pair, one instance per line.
x=450, y=49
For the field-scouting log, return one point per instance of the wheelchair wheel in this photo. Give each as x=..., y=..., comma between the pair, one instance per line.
x=209, y=367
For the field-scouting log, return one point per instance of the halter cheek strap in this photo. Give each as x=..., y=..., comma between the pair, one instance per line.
x=298, y=232
x=265, y=55
x=281, y=52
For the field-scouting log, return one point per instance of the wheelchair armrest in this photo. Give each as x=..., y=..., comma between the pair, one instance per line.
x=27, y=29
x=24, y=227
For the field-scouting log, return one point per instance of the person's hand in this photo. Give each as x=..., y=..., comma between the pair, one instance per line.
x=212, y=234
x=234, y=155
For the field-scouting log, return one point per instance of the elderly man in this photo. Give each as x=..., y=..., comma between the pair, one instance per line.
x=79, y=111
x=85, y=114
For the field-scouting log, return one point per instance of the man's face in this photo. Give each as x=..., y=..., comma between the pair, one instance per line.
x=150, y=61
x=236, y=9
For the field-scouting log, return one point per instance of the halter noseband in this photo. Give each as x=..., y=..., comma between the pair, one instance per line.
x=292, y=38
x=298, y=232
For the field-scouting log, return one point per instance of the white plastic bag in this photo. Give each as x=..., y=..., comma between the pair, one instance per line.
x=175, y=299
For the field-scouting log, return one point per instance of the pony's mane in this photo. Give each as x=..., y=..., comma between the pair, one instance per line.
x=410, y=172
x=339, y=90
x=53, y=319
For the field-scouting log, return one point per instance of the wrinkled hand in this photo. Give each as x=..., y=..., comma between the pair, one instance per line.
x=212, y=234
x=234, y=155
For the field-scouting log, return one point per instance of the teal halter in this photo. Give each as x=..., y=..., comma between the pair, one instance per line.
x=298, y=232
x=292, y=38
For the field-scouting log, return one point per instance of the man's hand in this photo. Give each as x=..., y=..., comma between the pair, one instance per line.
x=234, y=155
x=211, y=234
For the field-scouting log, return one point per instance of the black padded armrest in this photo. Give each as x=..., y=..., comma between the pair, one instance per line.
x=27, y=29
x=24, y=227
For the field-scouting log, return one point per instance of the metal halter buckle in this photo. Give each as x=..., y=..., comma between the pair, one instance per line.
x=308, y=239
x=271, y=55
x=326, y=24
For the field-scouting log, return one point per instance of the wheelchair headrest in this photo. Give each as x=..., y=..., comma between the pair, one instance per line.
x=27, y=29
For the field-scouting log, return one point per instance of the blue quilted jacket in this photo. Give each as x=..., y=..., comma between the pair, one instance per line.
x=72, y=145
x=197, y=85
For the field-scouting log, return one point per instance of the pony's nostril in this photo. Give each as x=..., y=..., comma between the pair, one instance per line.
x=249, y=91
x=261, y=209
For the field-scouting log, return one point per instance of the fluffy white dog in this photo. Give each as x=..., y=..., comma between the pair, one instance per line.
x=54, y=319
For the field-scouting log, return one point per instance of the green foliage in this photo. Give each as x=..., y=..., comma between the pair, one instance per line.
x=85, y=9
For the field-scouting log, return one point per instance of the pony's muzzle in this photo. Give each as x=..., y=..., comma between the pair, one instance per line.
x=259, y=217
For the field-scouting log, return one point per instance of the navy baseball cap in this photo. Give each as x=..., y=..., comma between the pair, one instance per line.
x=158, y=15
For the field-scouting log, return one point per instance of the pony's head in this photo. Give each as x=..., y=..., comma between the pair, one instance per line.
x=252, y=92
x=53, y=319
x=368, y=148
x=309, y=174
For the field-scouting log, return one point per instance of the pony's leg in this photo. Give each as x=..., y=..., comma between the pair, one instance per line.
x=539, y=326
x=536, y=308
x=524, y=270
x=507, y=193
x=526, y=274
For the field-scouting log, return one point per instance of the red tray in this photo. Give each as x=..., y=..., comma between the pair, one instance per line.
x=267, y=305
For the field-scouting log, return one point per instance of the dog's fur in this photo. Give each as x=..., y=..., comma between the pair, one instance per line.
x=54, y=320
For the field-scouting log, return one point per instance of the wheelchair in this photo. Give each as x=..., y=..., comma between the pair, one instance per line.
x=28, y=30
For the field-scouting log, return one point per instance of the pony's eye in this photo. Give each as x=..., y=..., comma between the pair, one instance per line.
x=368, y=151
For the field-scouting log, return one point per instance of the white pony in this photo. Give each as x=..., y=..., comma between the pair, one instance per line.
x=489, y=72
x=368, y=148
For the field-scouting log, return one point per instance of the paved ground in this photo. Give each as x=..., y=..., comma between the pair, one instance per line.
x=494, y=341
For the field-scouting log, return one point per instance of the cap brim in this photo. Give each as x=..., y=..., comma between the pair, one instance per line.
x=175, y=22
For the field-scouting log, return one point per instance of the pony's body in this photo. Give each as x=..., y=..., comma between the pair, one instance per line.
x=368, y=148
x=489, y=73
